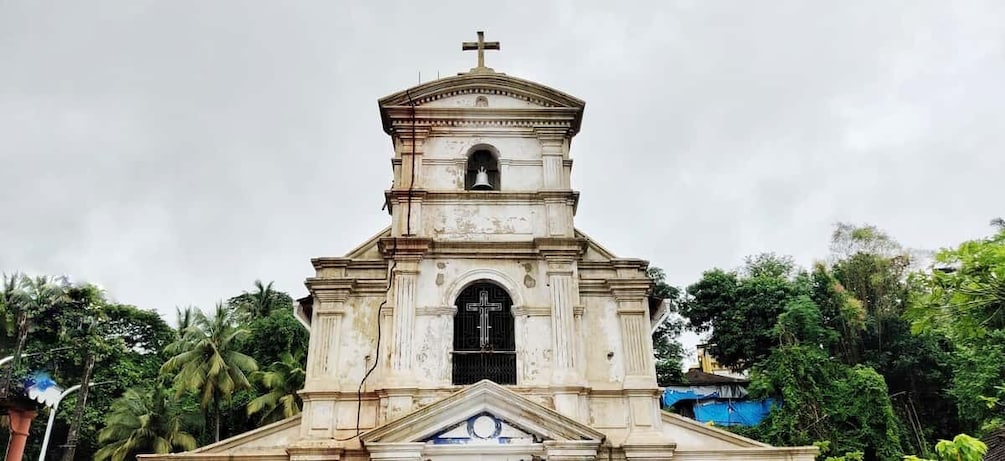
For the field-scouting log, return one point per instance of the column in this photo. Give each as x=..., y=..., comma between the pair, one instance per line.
x=400, y=388
x=405, y=275
x=395, y=451
x=553, y=154
x=562, y=325
x=571, y=450
x=555, y=181
x=330, y=296
x=408, y=180
x=566, y=378
x=645, y=437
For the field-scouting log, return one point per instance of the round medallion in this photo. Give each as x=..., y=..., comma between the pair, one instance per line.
x=484, y=427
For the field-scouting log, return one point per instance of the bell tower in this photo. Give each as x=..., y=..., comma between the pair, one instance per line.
x=482, y=185
x=491, y=146
x=481, y=275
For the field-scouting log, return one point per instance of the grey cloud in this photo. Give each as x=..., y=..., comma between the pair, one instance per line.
x=175, y=151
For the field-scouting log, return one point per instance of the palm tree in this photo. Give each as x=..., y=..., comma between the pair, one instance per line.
x=184, y=318
x=147, y=421
x=207, y=361
x=284, y=378
x=258, y=304
x=12, y=300
x=22, y=298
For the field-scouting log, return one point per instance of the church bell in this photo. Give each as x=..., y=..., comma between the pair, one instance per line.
x=482, y=180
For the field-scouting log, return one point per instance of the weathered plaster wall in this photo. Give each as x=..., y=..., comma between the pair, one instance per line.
x=440, y=281
x=444, y=161
x=604, y=353
x=495, y=222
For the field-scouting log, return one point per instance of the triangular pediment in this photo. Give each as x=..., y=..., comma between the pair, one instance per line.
x=455, y=100
x=483, y=413
x=594, y=250
x=368, y=249
x=482, y=83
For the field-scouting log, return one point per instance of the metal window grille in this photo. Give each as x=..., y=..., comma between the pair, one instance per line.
x=478, y=355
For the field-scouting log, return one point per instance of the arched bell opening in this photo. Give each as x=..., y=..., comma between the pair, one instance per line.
x=484, y=336
x=482, y=171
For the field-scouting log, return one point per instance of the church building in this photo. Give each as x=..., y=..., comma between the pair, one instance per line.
x=482, y=324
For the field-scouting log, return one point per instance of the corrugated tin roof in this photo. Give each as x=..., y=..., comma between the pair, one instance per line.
x=996, y=445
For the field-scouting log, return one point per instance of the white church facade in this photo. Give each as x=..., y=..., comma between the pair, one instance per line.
x=482, y=324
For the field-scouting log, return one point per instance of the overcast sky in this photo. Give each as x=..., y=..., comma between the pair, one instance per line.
x=175, y=151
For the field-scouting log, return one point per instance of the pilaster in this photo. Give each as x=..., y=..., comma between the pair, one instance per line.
x=560, y=257
x=406, y=194
x=406, y=254
x=655, y=451
x=410, y=146
x=630, y=291
x=552, y=141
x=571, y=450
x=395, y=451
x=325, y=341
x=315, y=450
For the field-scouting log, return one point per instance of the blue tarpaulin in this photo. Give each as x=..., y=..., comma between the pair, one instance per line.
x=743, y=412
x=671, y=396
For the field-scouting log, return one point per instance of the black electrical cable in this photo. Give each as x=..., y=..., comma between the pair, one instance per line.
x=390, y=279
x=376, y=357
x=411, y=182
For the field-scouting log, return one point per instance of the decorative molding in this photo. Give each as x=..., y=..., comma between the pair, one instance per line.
x=494, y=83
x=484, y=396
x=484, y=91
x=649, y=451
x=436, y=310
x=407, y=247
x=532, y=311
x=484, y=274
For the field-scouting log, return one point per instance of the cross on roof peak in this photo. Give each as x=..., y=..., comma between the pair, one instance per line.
x=481, y=45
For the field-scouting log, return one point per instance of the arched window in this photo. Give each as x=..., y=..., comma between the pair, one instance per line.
x=482, y=161
x=484, y=342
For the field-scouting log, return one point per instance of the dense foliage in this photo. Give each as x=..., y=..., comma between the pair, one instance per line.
x=875, y=352
x=154, y=389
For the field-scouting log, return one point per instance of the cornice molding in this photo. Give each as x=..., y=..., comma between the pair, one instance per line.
x=436, y=310
x=404, y=247
x=532, y=311
x=396, y=197
x=488, y=83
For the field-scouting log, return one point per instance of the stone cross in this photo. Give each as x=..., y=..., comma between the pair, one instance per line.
x=481, y=45
x=483, y=307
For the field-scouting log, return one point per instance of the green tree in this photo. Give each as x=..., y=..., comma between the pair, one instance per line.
x=208, y=362
x=84, y=330
x=272, y=336
x=25, y=299
x=741, y=309
x=963, y=297
x=825, y=400
x=669, y=352
x=962, y=448
x=144, y=335
x=145, y=421
x=261, y=302
x=873, y=269
x=282, y=381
